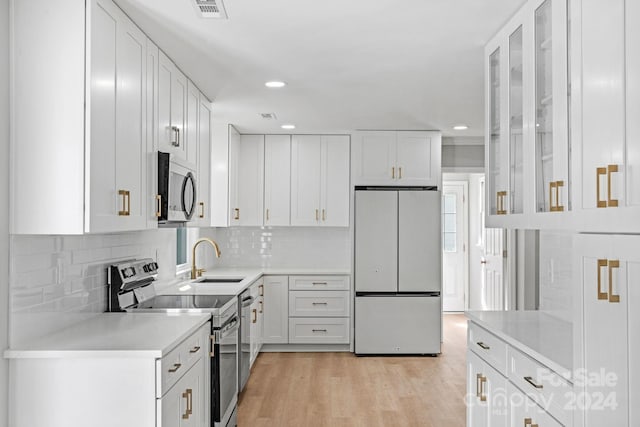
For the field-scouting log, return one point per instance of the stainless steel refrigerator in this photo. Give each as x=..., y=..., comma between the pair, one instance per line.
x=398, y=270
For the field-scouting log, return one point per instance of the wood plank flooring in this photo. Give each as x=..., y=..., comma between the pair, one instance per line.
x=340, y=389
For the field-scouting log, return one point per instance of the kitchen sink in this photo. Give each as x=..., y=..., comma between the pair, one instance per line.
x=218, y=280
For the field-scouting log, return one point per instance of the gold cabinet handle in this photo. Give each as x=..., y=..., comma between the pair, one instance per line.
x=483, y=345
x=158, y=205
x=267, y=214
x=324, y=216
x=319, y=303
x=318, y=330
x=319, y=283
x=483, y=381
x=530, y=381
x=478, y=392
x=393, y=172
x=175, y=368
x=237, y=213
x=126, y=203
x=612, y=203
x=317, y=215
x=527, y=422
x=261, y=307
x=613, y=263
x=500, y=196
x=201, y=209
x=188, y=395
x=400, y=172
x=261, y=287
x=254, y=312
x=212, y=353
x=552, y=186
x=600, y=203
x=195, y=349
x=601, y=295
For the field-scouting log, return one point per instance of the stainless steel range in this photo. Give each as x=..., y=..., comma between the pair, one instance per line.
x=131, y=289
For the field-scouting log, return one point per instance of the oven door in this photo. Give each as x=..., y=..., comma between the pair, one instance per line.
x=224, y=368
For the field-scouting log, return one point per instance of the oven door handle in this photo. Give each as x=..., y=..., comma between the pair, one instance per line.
x=246, y=302
x=230, y=328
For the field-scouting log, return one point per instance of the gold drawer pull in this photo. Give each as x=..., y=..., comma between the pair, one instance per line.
x=237, y=215
x=530, y=381
x=261, y=287
x=201, y=209
x=324, y=216
x=158, y=205
x=212, y=353
x=319, y=283
x=188, y=395
x=393, y=172
x=267, y=214
x=613, y=263
x=317, y=215
x=478, y=378
x=194, y=349
x=319, y=303
x=261, y=307
x=400, y=172
x=318, y=330
x=600, y=203
x=255, y=315
x=483, y=380
x=528, y=423
x=601, y=295
x=483, y=345
x=500, y=196
x=612, y=203
x=175, y=368
x=126, y=203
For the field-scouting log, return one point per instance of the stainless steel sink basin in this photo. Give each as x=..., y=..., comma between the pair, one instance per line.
x=218, y=280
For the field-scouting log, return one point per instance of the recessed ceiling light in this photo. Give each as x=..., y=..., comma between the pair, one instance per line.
x=275, y=84
x=288, y=126
x=460, y=127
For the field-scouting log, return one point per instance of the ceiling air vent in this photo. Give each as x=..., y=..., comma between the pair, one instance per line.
x=211, y=9
x=268, y=116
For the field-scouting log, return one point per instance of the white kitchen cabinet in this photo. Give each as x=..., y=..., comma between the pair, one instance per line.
x=184, y=405
x=203, y=211
x=320, y=180
x=609, y=270
x=527, y=132
x=257, y=319
x=524, y=412
x=152, y=197
x=276, y=312
x=246, y=181
x=408, y=158
x=172, y=111
x=192, y=125
x=486, y=394
x=277, y=179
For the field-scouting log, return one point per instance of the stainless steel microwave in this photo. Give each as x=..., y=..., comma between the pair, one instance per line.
x=176, y=190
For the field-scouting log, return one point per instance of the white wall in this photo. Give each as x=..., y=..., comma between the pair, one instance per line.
x=4, y=204
x=281, y=247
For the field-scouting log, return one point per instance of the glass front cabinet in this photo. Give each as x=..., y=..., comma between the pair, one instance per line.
x=527, y=110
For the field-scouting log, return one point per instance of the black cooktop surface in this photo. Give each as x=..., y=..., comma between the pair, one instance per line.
x=186, y=301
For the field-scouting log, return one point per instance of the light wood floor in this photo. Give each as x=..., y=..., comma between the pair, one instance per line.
x=340, y=389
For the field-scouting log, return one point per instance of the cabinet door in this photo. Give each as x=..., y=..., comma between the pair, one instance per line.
x=632, y=62
x=516, y=118
x=247, y=198
x=477, y=407
x=374, y=158
x=184, y=404
x=277, y=179
x=418, y=158
x=204, y=163
x=179, y=92
x=525, y=412
x=276, y=310
x=603, y=103
x=605, y=328
x=305, y=179
x=166, y=135
x=153, y=202
x=254, y=331
x=117, y=193
x=191, y=125
x=334, y=191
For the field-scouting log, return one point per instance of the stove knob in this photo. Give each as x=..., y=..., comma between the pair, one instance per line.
x=145, y=268
x=155, y=266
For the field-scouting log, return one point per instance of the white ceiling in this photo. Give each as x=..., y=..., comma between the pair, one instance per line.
x=349, y=64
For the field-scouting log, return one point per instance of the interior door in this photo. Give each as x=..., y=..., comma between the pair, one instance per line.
x=419, y=247
x=492, y=295
x=376, y=241
x=454, y=247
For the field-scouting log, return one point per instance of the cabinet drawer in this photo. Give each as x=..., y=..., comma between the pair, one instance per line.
x=311, y=330
x=316, y=283
x=541, y=384
x=488, y=346
x=177, y=362
x=319, y=303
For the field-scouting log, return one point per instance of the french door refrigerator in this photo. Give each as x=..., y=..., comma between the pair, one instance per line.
x=398, y=269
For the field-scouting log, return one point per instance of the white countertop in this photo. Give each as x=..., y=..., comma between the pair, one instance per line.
x=111, y=335
x=545, y=338
x=250, y=275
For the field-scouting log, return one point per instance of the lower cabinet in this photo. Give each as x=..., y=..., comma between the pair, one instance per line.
x=184, y=404
x=487, y=399
x=257, y=316
x=525, y=412
x=276, y=311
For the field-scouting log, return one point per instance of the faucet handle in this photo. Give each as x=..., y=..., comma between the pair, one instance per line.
x=199, y=272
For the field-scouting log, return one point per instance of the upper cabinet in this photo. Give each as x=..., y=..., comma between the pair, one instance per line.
x=527, y=99
x=400, y=158
x=203, y=144
x=246, y=181
x=320, y=180
x=277, y=179
x=108, y=101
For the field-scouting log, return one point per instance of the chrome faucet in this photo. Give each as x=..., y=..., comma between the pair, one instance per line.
x=197, y=272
